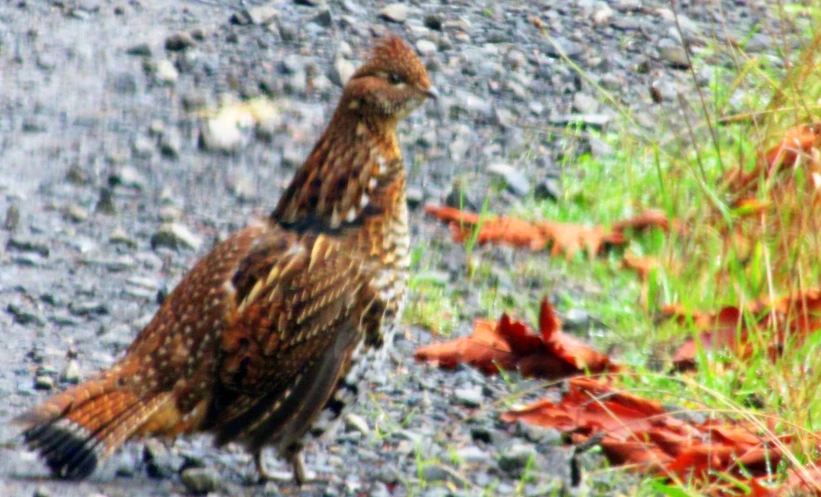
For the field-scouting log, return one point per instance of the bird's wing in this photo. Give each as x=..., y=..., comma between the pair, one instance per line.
x=302, y=303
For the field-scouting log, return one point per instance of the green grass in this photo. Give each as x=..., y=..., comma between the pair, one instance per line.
x=678, y=168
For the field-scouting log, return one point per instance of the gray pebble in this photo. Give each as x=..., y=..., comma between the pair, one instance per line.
x=105, y=204
x=395, y=12
x=515, y=181
x=426, y=47
x=170, y=144
x=200, y=481
x=179, y=41
x=88, y=308
x=42, y=492
x=355, y=422
x=21, y=244
x=12, y=218
x=263, y=15
x=468, y=397
x=323, y=19
x=141, y=50
x=165, y=73
x=433, y=473
x=124, y=83
x=576, y=319
x=75, y=213
x=473, y=455
x=343, y=70
x=675, y=56
x=120, y=237
x=516, y=458
x=71, y=374
x=175, y=236
x=221, y=135
x=43, y=383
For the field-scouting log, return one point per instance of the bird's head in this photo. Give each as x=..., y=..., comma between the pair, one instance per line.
x=391, y=83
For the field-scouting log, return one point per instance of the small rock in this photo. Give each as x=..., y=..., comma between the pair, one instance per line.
x=473, y=455
x=433, y=21
x=243, y=187
x=165, y=73
x=141, y=50
x=120, y=237
x=179, y=41
x=516, y=458
x=27, y=245
x=88, y=308
x=576, y=319
x=594, y=121
x=12, y=218
x=75, y=213
x=415, y=196
x=43, y=383
x=221, y=135
x=169, y=213
x=539, y=434
x=395, y=12
x=142, y=147
x=170, y=144
x=105, y=204
x=200, y=481
x=175, y=236
x=516, y=182
x=310, y=3
x=602, y=14
x=241, y=18
x=675, y=56
x=356, y=423
x=129, y=177
x=124, y=83
x=563, y=47
x=42, y=492
x=433, y=473
x=343, y=70
x=71, y=373
x=585, y=104
x=23, y=316
x=426, y=47
x=600, y=149
x=262, y=15
x=324, y=18
x=468, y=397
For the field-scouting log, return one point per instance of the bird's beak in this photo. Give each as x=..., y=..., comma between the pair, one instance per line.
x=431, y=93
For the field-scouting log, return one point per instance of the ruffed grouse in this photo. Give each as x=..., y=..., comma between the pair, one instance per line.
x=272, y=332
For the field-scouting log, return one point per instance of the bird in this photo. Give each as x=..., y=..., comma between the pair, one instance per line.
x=274, y=333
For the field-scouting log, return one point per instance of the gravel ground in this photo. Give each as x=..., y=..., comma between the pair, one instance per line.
x=115, y=178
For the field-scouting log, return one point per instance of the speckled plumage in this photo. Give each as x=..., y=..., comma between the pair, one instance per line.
x=272, y=332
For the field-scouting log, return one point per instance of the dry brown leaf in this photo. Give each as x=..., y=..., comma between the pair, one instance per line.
x=563, y=238
x=792, y=316
x=511, y=344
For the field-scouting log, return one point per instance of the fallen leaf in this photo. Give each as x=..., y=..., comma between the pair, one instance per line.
x=510, y=344
x=563, y=238
x=793, y=316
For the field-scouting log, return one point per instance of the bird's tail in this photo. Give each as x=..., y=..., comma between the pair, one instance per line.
x=78, y=428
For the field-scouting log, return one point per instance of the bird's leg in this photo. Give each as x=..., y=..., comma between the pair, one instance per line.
x=263, y=473
x=302, y=474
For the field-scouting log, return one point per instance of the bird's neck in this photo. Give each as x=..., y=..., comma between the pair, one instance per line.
x=355, y=172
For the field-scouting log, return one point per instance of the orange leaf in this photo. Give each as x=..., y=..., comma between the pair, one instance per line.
x=510, y=343
x=484, y=350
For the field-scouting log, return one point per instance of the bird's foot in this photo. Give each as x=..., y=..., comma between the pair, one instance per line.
x=299, y=474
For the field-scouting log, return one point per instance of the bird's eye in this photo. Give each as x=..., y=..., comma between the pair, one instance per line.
x=394, y=78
